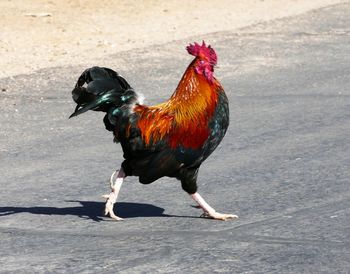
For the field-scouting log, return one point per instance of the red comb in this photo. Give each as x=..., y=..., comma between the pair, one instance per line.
x=203, y=51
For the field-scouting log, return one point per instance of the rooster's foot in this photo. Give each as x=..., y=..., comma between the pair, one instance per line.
x=111, y=200
x=218, y=216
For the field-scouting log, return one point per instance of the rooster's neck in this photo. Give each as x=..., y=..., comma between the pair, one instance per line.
x=192, y=106
x=185, y=116
x=194, y=91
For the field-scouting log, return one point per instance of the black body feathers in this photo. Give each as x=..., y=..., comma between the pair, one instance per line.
x=102, y=89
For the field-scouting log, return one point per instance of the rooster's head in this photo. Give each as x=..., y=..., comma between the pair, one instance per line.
x=205, y=60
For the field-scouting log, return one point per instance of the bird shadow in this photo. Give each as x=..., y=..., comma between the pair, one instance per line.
x=92, y=210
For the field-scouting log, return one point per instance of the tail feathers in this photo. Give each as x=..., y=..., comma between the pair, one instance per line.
x=111, y=99
x=101, y=89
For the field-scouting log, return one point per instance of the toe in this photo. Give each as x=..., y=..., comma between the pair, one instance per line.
x=116, y=218
x=219, y=216
x=230, y=216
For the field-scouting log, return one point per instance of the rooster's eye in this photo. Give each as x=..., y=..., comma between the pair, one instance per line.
x=201, y=62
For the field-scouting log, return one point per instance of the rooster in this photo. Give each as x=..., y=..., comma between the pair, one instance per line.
x=169, y=139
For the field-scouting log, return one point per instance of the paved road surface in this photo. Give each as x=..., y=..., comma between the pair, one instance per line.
x=283, y=166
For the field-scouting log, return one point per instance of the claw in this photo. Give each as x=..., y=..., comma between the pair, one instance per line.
x=111, y=200
x=218, y=216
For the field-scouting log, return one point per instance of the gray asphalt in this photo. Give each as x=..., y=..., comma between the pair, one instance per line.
x=283, y=166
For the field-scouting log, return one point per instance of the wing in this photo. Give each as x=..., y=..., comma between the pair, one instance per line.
x=147, y=161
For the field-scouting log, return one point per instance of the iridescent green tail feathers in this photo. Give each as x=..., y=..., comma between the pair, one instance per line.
x=102, y=89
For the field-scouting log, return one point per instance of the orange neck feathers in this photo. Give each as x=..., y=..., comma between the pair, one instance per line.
x=194, y=97
x=184, y=118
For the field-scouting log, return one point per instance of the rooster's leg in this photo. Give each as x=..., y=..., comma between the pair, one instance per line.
x=210, y=212
x=112, y=197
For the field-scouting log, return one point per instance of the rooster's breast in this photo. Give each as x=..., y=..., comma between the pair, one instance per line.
x=217, y=126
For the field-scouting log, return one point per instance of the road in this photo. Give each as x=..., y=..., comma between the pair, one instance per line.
x=283, y=166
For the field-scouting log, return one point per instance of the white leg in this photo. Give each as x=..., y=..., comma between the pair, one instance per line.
x=112, y=197
x=210, y=212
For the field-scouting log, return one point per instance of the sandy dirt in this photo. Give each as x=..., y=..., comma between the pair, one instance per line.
x=38, y=34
